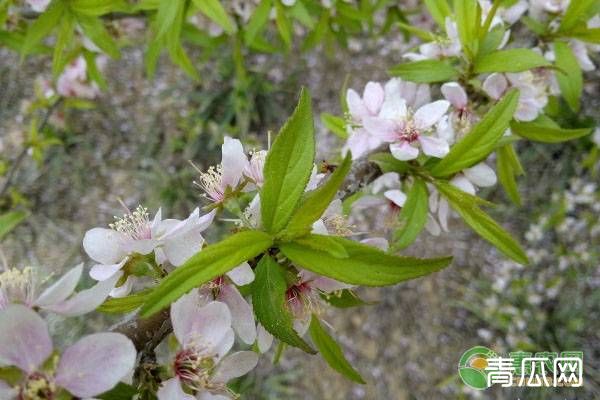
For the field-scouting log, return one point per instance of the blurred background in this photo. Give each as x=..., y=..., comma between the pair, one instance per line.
x=135, y=140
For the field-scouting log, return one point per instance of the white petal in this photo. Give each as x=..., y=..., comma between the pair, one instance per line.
x=264, y=339
x=455, y=94
x=104, y=245
x=178, y=249
x=328, y=285
x=355, y=105
x=101, y=272
x=192, y=322
x=403, y=151
x=394, y=106
x=389, y=180
x=373, y=97
x=171, y=390
x=87, y=300
x=142, y=246
x=242, y=317
x=383, y=129
x=61, y=289
x=24, y=338
x=234, y=162
x=242, y=274
x=443, y=212
x=426, y=116
x=235, y=365
x=319, y=228
x=481, y=175
x=434, y=146
x=461, y=182
x=378, y=242
x=396, y=196
x=95, y=364
x=495, y=85
x=7, y=392
x=124, y=289
x=223, y=347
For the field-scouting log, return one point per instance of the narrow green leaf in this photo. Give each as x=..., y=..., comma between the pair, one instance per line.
x=577, y=12
x=569, y=75
x=439, y=10
x=64, y=37
x=257, y=21
x=413, y=215
x=94, y=29
x=388, y=163
x=284, y=25
x=288, y=167
x=510, y=60
x=344, y=298
x=212, y=262
x=215, y=11
x=481, y=140
x=331, y=351
x=96, y=8
x=42, y=26
x=483, y=224
x=492, y=40
x=166, y=15
x=590, y=35
x=314, y=203
x=9, y=220
x=508, y=167
x=365, y=265
x=539, y=132
x=468, y=20
x=337, y=125
x=323, y=243
x=316, y=35
x=270, y=303
x=425, y=71
x=121, y=305
x=93, y=71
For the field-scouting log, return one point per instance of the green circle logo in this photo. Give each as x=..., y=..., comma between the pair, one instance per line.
x=472, y=364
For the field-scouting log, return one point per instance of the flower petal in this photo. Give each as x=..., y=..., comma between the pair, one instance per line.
x=171, y=390
x=383, y=129
x=461, y=182
x=233, y=161
x=178, y=249
x=242, y=317
x=61, y=289
x=24, y=338
x=443, y=211
x=242, y=274
x=7, y=392
x=356, y=106
x=235, y=365
x=403, y=151
x=432, y=226
x=426, y=116
x=495, y=85
x=102, y=272
x=87, y=300
x=455, y=94
x=373, y=97
x=378, y=242
x=264, y=339
x=95, y=364
x=396, y=196
x=481, y=175
x=434, y=146
x=104, y=245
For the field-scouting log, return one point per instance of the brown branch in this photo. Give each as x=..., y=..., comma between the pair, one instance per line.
x=113, y=16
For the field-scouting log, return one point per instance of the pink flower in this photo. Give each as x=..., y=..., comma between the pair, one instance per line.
x=360, y=140
x=91, y=366
x=533, y=87
x=73, y=81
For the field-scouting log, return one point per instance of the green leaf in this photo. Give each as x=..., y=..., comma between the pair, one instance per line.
x=257, y=21
x=166, y=15
x=388, y=163
x=93, y=71
x=94, y=29
x=331, y=351
x=413, y=215
x=577, y=13
x=316, y=35
x=439, y=10
x=510, y=60
x=540, y=132
x=212, y=262
x=344, y=298
x=365, y=265
x=590, y=35
x=508, y=166
x=96, y=8
x=64, y=38
x=335, y=124
x=569, y=75
x=42, y=26
x=314, y=203
x=492, y=40
x=9, y=220
x=425, y=71
x=483, y=224
x=468, y=20
x=121, y=305
x=270, y=303
x=288, y=167
x=323, y=243
x=480, y=141
x=122, y=391
x=215, y=11
x=284, y=25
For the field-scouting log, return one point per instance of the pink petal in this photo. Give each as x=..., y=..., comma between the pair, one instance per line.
x=383, y=129
x=61, y=289
x=235, y=365
x=233, y=161
x=242, y=317
x=224, y=345
x=104, y=245
x=404, y=151
x=426, y=116
x=434, y=146
x=124, y=289
x=95, y=364
x=495, y=85
x=264, y=339
x=481, y=175
x=7, y=392
x=396, y=196
x=455, y=94
x=101, y=272
x=87, y=300
x=178, y=249
x=24, y=338
x=355, y=105
x=242, y=274
x=171, y=390
x=394, y=105
x=192, y=320
x=373, y=97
